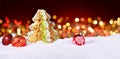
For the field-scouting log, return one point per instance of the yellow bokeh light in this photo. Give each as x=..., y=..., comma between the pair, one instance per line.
x=111, y=21
x=3, y=30
x=118, y=21
x=59, y=26
x=54, y=17
x=9, y=30
x=91, y=29
x=89, y=20
x=112, y=33
x=84, y=31
x=83, y=27
x=67, y=24
x=73, y=29
x=60, y=32
x=115, y=22
x=77, y=20
x=95, y=22
x=101, y=23
x=18, y=31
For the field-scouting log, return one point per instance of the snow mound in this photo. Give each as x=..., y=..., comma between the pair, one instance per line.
x=95, y=48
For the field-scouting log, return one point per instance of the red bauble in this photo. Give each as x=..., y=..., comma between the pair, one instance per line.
x=19, y=41
x=79, y=40
x=7, y=39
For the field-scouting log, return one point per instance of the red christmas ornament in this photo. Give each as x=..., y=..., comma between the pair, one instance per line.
x=79, y=40
x=19, y=41
x=7, y=39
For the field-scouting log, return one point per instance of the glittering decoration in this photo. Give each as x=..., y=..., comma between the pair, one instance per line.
x=19, y=41
x=7, y=39
x=42, y=28
x=79, y=40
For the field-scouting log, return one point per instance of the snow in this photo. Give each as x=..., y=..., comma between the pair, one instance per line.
x=95, y=48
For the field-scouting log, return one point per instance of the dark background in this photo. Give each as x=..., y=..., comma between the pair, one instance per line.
x=25, y=9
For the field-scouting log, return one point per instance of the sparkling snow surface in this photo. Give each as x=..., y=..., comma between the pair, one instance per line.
x=95, y=48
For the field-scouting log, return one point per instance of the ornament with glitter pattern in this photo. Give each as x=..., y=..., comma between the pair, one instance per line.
x=7, y=39
x=79, y=40
x=19, y=41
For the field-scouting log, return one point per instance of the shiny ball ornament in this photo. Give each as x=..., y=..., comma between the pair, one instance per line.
x=7, y=39
x=79, y=40
x=19, y=41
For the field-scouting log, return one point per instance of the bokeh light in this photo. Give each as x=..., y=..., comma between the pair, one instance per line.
x=59, y=26
x=89, y=20
x=111, y=21
x=67, y=24
x=54, y=17
x=101, y=23
x=91, y=29
x=1, y=21
x=77, y=27
x=69, y=28
x=95, y=22
x=76, y=19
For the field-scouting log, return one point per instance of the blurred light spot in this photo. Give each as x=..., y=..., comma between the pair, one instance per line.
x=91, y=29
x=69, y=28
x=18, y=31
x=1, y=21
x=76, y=19
x=54, y=17
x=95, y=22
x=64, y=26
x=89, y=20
x=101, y=23
x=67, y=24
x=59, y=26
x=77, y=27
x=83, y=27
x=111, y=21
